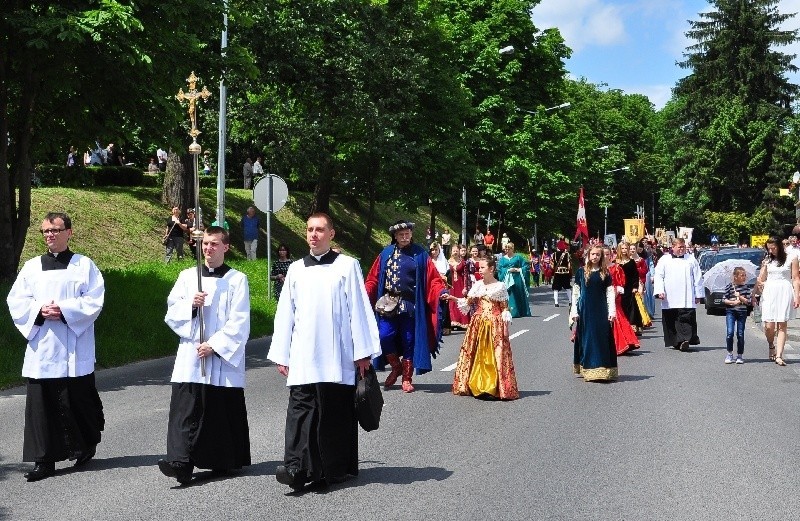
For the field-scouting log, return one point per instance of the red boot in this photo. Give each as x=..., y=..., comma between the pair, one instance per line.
x=397, y=370
x=408, y=372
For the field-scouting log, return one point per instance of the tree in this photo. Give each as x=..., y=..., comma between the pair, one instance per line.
x=76, y=70
x=727, y=117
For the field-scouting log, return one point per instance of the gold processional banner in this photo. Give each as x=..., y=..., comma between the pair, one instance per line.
x=634, y=229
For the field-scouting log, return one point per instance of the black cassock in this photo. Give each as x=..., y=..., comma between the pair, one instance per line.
x=322, y=431
x=63, y=416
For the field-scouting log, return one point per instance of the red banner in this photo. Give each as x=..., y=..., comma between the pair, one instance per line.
x=582, y=230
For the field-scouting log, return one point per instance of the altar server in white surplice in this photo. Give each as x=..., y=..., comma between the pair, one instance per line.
x=207, y=414
x=325, y=331
x=678, y=283
x=54, y=303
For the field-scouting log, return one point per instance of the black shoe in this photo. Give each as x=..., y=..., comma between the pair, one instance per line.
x=175, y=469
x=293, y=477
x=41, y=470
x=684, y=346
x=556, y=304
x=84, y=456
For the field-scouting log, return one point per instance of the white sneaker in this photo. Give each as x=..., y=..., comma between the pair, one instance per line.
x=729, y=358
x=739, y=359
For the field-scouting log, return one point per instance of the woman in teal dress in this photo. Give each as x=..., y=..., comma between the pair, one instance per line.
x=510, y=271
x=593, y=311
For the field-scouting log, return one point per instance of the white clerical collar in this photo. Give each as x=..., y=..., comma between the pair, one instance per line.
x=318, y=257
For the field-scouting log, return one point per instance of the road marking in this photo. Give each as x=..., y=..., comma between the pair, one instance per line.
x=518, y=333
x=551, y=317
x=515, y=335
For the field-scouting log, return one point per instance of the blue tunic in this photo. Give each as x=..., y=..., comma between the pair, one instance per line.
x=595, y=357
x=407, y=332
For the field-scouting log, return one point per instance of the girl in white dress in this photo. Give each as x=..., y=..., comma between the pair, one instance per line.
x=779, y=285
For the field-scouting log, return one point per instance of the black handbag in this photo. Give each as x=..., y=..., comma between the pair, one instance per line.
x=369, y=400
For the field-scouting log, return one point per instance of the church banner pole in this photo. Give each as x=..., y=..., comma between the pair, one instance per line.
x=191, y=96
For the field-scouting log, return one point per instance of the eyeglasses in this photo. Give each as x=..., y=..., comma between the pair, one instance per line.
x=53, y=231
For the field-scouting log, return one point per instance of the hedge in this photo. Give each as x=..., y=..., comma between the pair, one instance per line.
x=61, y=175
x=77, y=177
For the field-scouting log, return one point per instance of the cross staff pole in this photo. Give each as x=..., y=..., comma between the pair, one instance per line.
x=191, y=96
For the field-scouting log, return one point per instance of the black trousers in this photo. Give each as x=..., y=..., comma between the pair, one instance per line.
x=680, y=325
x=63, y=417
x=322, y=431
x=208, y=426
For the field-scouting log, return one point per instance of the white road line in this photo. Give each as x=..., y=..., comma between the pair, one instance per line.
x=551, y=317
x=518, y=333
x=515, y=335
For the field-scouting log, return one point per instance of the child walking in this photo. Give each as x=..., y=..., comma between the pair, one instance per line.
x=737, y=295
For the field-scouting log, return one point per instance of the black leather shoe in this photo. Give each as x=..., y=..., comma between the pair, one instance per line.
x=41, y=470
x=84, y=457
x=293, y=477
x=175, y=469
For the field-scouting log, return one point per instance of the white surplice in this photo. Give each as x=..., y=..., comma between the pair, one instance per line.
x=680, y=280
x=226, y=321
x=324, y=322
x=58, y=349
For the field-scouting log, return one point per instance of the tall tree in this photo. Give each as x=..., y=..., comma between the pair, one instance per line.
x=727, y=116
x=80, y=69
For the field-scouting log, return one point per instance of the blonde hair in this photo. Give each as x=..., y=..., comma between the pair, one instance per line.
x=619, y=250
x=603, y=264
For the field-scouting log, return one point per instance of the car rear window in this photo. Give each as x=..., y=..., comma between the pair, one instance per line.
x=755, y=256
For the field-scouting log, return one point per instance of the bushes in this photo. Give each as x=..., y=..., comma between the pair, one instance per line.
x=60, y=175
x=78, y=177
x=131, y=326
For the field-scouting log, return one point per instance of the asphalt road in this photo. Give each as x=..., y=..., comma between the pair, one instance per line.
x=679, y=436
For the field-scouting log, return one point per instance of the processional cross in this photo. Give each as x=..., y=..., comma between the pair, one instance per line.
x=191, y=96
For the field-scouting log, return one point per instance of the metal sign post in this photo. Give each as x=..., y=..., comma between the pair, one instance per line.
x=269, y=195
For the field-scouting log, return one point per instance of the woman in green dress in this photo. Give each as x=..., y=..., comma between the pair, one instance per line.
x=510, y=271
x=593, y=311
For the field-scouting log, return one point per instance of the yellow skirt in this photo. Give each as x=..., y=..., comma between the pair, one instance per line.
x=646, y=320
x=484, y=376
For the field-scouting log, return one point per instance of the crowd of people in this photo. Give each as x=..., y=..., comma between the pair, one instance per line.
x=332, y=324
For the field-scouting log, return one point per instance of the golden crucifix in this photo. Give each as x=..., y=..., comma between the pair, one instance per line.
x=191, y=96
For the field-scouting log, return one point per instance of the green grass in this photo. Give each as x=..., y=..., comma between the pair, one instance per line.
x=131, y=326
x=121, y=230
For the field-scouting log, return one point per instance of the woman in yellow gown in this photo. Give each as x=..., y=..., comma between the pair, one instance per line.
x=485, y=366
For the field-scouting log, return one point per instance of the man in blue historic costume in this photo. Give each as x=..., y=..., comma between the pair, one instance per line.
x=405, y=271
x=54, y=303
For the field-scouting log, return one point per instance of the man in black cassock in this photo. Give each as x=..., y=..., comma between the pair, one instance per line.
x=207, y=412
x=54, y=303
x=324, y=332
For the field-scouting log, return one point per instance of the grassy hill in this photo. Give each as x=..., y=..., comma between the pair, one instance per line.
x=121, y=230
x=120, y=227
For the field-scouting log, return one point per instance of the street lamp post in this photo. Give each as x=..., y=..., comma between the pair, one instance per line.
x=565, y=105
x=796, y=181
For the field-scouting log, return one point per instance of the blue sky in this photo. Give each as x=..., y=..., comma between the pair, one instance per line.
x=633, y=45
